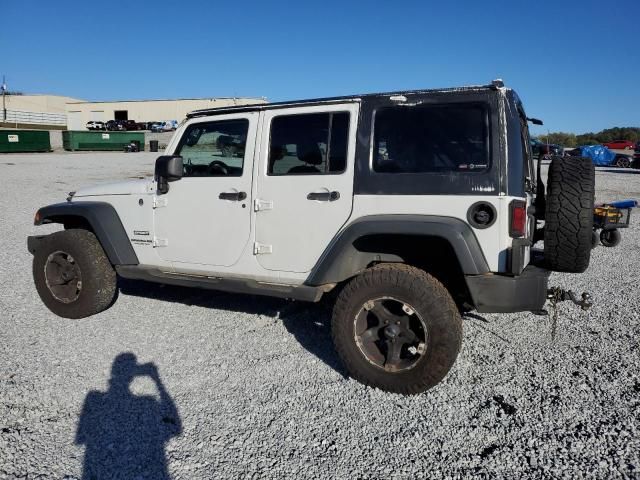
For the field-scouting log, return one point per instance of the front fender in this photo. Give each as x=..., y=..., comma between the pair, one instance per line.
x=104, y=222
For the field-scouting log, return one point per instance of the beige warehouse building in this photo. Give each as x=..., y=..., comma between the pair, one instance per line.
x=79, y=113
x=35, y=111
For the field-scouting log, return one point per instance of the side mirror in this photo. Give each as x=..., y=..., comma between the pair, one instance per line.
x=535, y=121
x=168, y=169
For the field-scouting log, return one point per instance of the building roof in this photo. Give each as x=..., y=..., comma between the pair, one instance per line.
x=258, y=99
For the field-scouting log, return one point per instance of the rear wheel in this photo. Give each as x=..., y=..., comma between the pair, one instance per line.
x=569, y=214
x=73, y=275
x=623, y=161
x=610, y=238
x=396, y=328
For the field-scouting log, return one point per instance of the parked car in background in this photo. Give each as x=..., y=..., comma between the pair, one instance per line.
x=156, y=127
x=602, y=156
x=620, y=145
x=95, y=125
x=166, y=126
x=539, y=148
x=130, y=125
x=114, y=125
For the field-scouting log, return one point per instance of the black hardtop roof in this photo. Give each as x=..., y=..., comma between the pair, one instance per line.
x=329, y=100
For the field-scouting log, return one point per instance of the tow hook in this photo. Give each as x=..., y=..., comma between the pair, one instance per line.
x=556, y=295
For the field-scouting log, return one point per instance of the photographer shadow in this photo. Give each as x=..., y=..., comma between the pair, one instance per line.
x=309, y=323
x=125, y=434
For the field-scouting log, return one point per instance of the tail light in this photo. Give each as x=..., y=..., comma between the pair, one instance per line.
x=518, y=218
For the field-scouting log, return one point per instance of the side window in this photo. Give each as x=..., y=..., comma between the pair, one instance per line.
x=431, y=139
x=309, y=144
x=214, y=149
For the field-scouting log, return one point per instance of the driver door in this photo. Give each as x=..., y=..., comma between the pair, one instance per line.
x=205, y=217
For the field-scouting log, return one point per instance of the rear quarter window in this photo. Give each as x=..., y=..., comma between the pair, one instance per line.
x=431, y=139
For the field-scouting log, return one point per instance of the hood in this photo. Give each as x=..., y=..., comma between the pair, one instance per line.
x=126, y=187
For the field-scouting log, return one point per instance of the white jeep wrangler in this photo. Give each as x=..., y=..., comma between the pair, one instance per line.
x=410, y=207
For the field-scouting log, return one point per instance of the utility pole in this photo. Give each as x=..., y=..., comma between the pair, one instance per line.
x=4, y=106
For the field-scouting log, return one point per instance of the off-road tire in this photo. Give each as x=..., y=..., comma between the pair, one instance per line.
x=569, y=214
x=431, y=301
x=99, y=284
x=610, y=238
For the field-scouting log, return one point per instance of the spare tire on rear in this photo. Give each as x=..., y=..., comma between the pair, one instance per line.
x=569, y=214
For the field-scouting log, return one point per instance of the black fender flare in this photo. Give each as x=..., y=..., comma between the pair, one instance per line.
x=341, y=260
x=103, y=220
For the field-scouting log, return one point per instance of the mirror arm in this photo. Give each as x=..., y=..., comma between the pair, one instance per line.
x=163, y=185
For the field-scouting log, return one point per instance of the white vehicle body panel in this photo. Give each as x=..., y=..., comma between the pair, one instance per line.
x=295, y=229
x=136, y=214
x=192, y=225
x=494, y=240
x=125, y=187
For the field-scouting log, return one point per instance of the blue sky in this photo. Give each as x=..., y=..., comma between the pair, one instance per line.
x=575, y=63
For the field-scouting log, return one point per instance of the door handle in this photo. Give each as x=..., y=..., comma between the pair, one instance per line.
x=324, y=196
x=236, y=196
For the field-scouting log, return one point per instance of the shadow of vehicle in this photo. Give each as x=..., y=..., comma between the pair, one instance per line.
x=125, y=434
x=309, y=323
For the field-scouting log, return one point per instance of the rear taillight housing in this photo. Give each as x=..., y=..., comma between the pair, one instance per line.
x=517, y=218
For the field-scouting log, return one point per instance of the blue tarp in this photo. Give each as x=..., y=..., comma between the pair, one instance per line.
x=601, y=156
x=624, y=204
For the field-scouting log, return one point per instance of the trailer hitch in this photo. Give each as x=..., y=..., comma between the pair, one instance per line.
x=556, y=295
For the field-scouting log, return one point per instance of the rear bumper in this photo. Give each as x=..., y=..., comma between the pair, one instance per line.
x=492, y=293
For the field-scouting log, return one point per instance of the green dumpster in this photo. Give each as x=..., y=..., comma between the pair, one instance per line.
x=13, y=141
x=81, y=140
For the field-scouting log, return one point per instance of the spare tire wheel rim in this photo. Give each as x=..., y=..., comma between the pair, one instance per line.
x=63, y=277
x=390, y=334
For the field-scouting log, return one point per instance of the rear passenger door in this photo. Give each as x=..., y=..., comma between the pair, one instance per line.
x=304, y=183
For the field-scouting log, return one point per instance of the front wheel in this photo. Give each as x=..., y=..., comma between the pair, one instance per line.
x=72, y=274
x=396, y=328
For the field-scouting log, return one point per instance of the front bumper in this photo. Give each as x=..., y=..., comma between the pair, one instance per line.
x=492, y=293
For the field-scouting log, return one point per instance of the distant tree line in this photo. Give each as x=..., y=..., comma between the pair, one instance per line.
x=608, y=135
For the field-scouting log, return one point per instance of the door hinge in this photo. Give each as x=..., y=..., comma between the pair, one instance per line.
x=160, y=242
x=259, y=205
x=160, y=202
x=262, y=249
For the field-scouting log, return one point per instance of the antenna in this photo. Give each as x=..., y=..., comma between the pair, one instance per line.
x=4, y=106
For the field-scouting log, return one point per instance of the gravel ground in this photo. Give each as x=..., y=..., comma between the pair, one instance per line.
x=230, y=386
